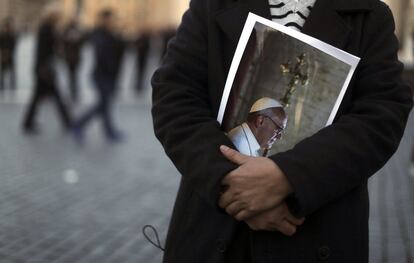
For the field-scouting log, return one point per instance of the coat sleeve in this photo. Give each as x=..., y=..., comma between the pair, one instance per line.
x=182, y=114
x=343, y=156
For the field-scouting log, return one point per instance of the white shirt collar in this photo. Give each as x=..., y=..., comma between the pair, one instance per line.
x=251, y=140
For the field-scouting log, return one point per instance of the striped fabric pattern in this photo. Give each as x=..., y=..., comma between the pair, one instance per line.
x=291, y=13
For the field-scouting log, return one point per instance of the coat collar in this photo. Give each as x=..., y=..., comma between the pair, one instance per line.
x=324, y=22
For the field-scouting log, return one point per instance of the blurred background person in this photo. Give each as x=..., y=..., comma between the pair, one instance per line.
x=72, y=40
x=7, y=52
x=108, y=48
x=45, y=77
x=143, y=49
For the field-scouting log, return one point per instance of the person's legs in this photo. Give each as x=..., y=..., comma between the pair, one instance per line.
x=39, y=94
x=107, y=121
x=73, y=84
x=79, y=126
x=63, y=111
x=107, y=90
x=96, y=110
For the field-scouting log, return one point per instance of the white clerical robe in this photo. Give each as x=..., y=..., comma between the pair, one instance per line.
x=244, y=140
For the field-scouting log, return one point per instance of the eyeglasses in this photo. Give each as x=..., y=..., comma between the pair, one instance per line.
x=277, y=133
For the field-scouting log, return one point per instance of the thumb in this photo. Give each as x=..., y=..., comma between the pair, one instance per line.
x=233, y=155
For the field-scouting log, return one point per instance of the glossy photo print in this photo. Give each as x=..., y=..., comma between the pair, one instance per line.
x=283, y=86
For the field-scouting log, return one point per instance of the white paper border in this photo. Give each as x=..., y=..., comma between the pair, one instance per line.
x=251, y=21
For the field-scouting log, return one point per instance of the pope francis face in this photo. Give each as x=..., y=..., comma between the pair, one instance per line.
x=268, y=126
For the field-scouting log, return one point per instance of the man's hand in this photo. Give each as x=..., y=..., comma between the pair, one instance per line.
x=256, y=186
x=276, y=219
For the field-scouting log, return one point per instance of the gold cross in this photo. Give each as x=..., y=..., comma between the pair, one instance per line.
x=298, y=77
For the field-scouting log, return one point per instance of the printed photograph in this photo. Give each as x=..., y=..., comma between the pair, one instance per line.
x=284, y=89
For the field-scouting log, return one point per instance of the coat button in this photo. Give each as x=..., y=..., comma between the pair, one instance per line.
x=324, y=253
x=221, y=246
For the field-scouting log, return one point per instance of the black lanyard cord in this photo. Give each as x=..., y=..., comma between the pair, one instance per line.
x=157, y=244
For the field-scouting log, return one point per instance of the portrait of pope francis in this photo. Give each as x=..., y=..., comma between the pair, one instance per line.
x=264, y=125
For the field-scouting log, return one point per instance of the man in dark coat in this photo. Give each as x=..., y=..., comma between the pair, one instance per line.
x=108, y=49
x=323, y=178
x=45, y=86
x=7, y=49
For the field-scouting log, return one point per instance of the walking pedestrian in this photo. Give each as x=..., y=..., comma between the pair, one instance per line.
x=108, y=56
x=45, y=83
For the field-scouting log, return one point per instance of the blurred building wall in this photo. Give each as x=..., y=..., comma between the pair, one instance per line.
x=133, y=15
x=150, y=13
x=25, y=13
x=4, y=8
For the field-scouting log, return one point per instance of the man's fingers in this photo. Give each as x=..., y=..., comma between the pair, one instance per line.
x=224, y=187
x=244, y=215
x=226, y=199
x=234, y=155
x=234, y=208
x=226, y=180
x=295, y=221
x=287, y=228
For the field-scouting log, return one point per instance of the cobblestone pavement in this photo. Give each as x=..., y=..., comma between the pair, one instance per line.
x=60, y=202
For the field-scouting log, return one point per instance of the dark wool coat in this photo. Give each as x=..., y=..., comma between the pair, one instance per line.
x=328, y=171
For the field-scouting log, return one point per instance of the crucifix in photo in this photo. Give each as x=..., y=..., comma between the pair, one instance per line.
x=299, y=77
